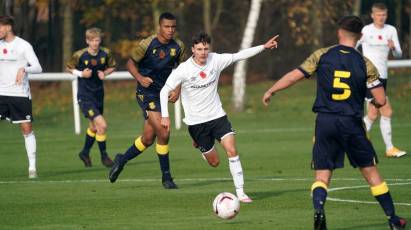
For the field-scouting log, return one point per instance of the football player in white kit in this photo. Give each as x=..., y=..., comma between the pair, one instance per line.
x=204, y=114
x=17, y=59
x=377, y=40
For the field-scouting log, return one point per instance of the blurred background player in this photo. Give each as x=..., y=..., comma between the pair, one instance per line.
x=91, y=65
x=17, y=59
x=343, y=76
x=151, y=63
x=377, y=40
x=204, y=114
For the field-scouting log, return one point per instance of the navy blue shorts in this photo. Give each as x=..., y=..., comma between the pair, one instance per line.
x=148, y=103
x=336, y=135
x=91, y=106
x=206, y=133
x=369, y=96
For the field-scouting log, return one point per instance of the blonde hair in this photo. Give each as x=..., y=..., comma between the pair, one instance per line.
x=93, y=33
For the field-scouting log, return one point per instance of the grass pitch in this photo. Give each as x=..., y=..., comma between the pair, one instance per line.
x=275, y=148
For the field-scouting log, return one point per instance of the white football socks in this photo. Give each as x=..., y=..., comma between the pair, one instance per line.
x=30, y=142
x=368, y=123
x=237, y=174
x=385, y=126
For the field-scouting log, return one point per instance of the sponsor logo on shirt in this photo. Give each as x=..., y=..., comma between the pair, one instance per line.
x=203, y=86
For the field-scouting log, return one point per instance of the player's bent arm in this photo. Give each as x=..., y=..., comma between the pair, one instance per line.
x=379, y=98
x=164, y=100
x=286, y=81
x=131, y=67
x=109, y=71
x=32, y=59
x=396, y=52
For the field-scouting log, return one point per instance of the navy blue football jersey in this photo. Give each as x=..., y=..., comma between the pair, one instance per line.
x=156, y=61
x=343, y=76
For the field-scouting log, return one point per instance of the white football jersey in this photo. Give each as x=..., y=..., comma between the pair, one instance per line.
x=199, y=84
x=374, y=43
x=13, y=56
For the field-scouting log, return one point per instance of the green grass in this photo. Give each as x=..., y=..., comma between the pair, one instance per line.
x=274, y=144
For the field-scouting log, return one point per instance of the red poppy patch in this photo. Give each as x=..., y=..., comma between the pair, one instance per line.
x=380, y=37
x=4, y=51
x=203, y=75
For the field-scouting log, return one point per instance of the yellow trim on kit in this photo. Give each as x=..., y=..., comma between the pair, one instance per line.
x=379, y=189
x=319, y=184
x=139, y=144
x=90, y=132
x=101, y=138
x=162, y=149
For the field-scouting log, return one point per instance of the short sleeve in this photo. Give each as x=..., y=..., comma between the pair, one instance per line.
x=309, y=66
x=372, y=75
x=74, y=60
x=111, y=62
x=139, y=51
x=182, y=55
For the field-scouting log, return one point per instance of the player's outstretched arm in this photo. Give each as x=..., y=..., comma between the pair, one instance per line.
x=250, y=52
x=286, y=81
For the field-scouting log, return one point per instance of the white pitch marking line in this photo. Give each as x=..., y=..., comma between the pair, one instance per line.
x=39, y=181
x=360, y=201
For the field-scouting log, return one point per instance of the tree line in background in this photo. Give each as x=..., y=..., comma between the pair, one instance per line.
x=56, y=27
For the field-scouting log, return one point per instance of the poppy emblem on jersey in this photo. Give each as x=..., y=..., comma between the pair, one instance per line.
x=379, y=37
x=173, y=52
x=4, y=51
x=103, y=60
x=162, y=54
x=93, y=62
x=203, y=75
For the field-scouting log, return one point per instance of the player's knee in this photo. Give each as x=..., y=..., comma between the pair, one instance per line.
x=147, y=141
x=231, y=152
x=372, y=116
x=387, y=113
x=214, y=163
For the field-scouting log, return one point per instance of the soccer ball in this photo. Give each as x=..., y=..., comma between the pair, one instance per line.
x=226, y=205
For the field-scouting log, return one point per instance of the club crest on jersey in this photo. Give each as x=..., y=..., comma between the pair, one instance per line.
x=90, y=112
x=86, y=62
x=203, y=75
x=4, y=51
x=103, y=60
x=93, y=62
x=173, y=52
x=151, y=105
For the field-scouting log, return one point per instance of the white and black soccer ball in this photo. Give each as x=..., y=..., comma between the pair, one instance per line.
x=226, y=205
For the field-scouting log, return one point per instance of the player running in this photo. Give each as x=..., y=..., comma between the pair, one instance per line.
x=344, y=76
x=377, y=40
x=17, y=60
x=92, y=65
x=150, y=64
x=204, y=114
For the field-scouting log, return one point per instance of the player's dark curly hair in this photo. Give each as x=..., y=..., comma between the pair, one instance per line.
x=7, y=20
x=201, y=37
